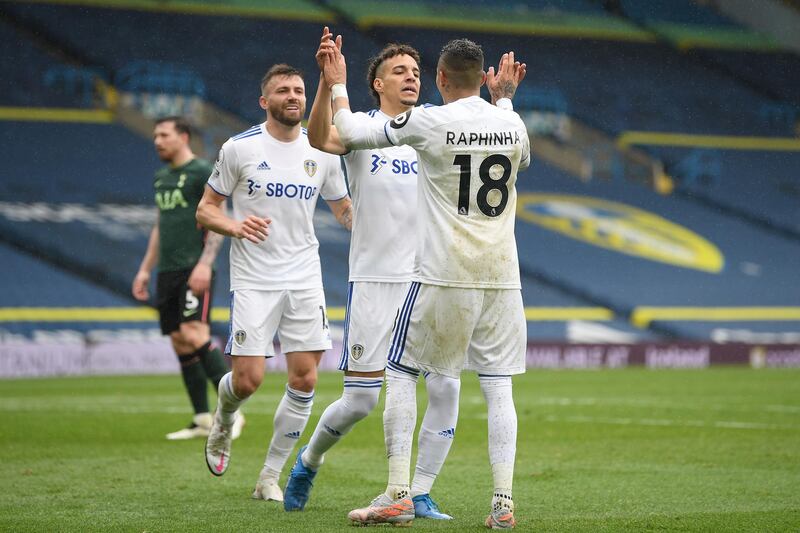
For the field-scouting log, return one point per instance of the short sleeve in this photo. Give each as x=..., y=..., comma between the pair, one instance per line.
x=410, y=128
x=225, y=174
x=201, y=177
x=334, y=187
x=525, y=157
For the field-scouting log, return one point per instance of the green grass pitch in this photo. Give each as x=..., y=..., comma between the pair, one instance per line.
x=621, y=450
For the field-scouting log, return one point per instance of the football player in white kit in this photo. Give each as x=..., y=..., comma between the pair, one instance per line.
x=464, y=310
x=383, y=185
x=273, y=177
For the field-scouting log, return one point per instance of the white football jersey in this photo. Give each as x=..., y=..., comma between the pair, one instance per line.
x=383, y=185
x=469, y=153
x=269, y=178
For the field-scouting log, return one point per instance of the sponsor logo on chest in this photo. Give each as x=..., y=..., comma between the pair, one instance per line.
x=267, y=182
x=396, y=166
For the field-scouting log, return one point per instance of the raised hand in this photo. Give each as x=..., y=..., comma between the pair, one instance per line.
x=335, y=67
x=504, y=83
x=326, y=46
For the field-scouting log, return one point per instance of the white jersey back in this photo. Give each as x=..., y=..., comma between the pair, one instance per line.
x=469, y=153
x=269, y=178
x=383, y=185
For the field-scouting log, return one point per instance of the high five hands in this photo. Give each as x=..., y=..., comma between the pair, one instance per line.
x=504, y=82
x=330, y=59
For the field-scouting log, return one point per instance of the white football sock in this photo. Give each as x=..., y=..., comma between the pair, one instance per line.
x=290, y=420
x=227, y=402
x=437, y=431
x=359, y=398
x=502, y=432
x=399, y=422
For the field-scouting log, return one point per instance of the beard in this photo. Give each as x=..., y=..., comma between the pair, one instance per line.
x=277, y=113
x=166, y=156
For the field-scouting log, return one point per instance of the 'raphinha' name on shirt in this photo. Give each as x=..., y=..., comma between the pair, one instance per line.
x=488, y=138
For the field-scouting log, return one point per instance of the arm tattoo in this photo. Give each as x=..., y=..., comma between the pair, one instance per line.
x=211, y=248
x=506, y=89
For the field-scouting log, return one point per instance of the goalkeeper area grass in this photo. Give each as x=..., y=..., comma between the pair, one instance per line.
x=610, y=450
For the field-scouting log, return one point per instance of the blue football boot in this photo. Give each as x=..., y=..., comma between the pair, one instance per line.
x=298, y=487
x=424, y=507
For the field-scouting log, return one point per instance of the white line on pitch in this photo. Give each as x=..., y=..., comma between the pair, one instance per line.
x=728, y=424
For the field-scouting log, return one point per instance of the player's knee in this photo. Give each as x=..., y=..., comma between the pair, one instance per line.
x=178, y=344
x=360, y=404
x=303, y=381
x=246, y=384
x=443, y=390
x=194, y=335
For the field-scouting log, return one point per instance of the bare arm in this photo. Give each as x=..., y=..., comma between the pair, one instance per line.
x=321, y=134
x=211, y=249
x=139, y=289
x=211, y=215
x=200, y=278
x=343, y=211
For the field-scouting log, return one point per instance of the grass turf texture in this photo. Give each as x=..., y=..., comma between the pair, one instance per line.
x=708, y=450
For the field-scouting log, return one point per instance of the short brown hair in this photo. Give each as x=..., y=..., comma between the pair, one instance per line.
x=181, y=124
x=281, y=69
x=463, y=61
x=389, y=51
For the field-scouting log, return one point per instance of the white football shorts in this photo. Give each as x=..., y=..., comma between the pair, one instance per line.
x=371, y=314
x=445, y=330
x=298, y=316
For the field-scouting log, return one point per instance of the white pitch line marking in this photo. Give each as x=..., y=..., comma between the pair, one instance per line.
x=726, y=424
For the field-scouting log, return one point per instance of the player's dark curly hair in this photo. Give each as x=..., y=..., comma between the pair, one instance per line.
x=389, y=51
x=463, y=61
x=281, y=69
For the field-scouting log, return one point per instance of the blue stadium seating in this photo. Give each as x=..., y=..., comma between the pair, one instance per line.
x=762, y=184
x=633, y=86
x=759, y=268
x=94, y=163
x=777, y=72
x=618, y=86
x=33, y=283
x=570, y=6
x=674, y=11
x=32, y=77
x=230, y=54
